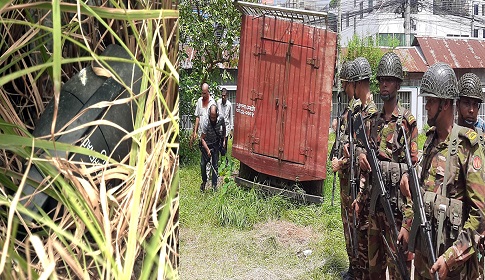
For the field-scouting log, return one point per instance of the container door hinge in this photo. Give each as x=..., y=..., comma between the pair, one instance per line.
x=256, y=95
x=305, y=151
x=258, y=50
x=310, y=107
x=253, y=139
x=315, y=62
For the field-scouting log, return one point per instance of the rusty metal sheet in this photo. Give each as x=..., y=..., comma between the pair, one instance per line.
x=284, y=94
x=411, y=60
x=457, y=52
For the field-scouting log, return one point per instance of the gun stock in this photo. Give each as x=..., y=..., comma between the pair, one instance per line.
x=379, y=192
x=420, y=226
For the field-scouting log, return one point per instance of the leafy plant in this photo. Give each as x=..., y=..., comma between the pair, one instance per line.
x=368, y=48
x=209, y=39
x=102, y=232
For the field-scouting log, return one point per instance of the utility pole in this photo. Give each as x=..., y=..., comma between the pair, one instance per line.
x=472, y=33
x=407, y=23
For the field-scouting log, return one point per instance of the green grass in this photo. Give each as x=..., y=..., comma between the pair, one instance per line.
x=228, y=224
x=223, y=229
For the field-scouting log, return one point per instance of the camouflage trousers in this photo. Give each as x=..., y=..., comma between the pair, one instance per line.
x=379, y=258
x=362, y=240
x=347, y=220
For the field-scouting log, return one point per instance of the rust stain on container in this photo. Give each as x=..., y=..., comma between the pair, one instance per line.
x=283, y=102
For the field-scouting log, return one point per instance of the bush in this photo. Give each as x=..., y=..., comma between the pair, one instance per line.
x=189, y=155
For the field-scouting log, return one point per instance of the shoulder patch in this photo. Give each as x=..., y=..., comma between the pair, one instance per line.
x=476, y=162
x=470, y=134
x=409, y=117
x=372, y=109
x=414, y=147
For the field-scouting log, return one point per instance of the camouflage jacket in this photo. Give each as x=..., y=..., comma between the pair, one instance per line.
x=369, y=113
x=344, y=140
x=389, y=148
x=465, y=183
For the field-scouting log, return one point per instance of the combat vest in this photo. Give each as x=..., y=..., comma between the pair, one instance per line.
x=392, y=169
x=447, y=215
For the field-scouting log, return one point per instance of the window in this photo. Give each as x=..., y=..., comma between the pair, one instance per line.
x=475, y=9
x=347, y=20
x=483, y=10
x=371, y=4
x=483, y=33
x=475, y=33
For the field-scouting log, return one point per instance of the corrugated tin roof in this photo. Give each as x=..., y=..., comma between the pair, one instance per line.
x=411, y=60
x=457, y=52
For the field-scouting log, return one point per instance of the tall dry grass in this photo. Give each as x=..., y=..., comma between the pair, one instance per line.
x=125, y=231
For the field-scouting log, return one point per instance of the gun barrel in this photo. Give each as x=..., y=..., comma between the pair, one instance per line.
x=420, y=222
x=380, y=193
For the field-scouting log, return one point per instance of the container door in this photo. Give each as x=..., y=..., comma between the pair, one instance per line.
x=268, y=96
x=286, y=95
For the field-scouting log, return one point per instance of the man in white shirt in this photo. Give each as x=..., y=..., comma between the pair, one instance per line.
x=225, y=109
x=201, y=110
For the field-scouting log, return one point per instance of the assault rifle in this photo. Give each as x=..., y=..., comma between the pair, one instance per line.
x=352, y=181
x=379, y=192
x=420, y=224
x=336, y=146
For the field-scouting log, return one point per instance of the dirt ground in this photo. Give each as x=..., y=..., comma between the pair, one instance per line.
x=271, y=250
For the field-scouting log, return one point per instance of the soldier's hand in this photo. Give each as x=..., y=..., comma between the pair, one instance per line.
x=440, y=267
x=209, y=153
x=336, y=164
x=356, y=207
x=404, y=186
x=363, y=163
x=403, y=238
x=334, y=126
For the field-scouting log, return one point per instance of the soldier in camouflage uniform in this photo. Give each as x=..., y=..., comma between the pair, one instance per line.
x=360, y=75
x=342, y=166
x=384, y=138
x=452, y=178
x=468, y=105
x=469, y=102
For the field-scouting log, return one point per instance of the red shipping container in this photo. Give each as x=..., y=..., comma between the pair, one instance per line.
x=284, y=96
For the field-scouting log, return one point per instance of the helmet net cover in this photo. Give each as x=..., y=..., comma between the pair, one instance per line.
x=470, y=86
x=439, y=81
x=390, y=66
x=345, y=71
x=360, y=70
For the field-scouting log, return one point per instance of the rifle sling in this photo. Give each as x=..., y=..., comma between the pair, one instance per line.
x=452, y=150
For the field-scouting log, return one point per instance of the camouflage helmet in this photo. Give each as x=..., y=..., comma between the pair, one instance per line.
x=390, y=66
x=470, y=86
x=345, y=71
x=360, y=70
x=439, y=81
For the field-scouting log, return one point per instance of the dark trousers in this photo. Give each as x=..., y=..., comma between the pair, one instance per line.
x=204, y=159
x=224, y=149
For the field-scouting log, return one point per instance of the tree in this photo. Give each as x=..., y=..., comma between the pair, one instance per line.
x=210, y=34
x=368, y=48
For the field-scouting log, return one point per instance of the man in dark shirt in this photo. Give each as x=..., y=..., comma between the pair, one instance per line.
x=212, y=139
